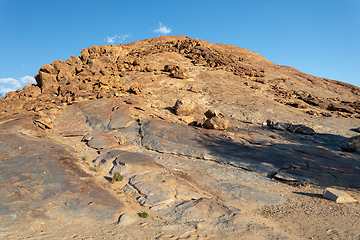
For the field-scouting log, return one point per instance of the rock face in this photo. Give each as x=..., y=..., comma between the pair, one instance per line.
x=206, y=136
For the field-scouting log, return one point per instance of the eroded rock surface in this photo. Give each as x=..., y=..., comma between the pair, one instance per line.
x=204, y=135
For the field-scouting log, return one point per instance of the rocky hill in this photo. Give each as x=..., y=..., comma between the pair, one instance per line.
x=209, y=140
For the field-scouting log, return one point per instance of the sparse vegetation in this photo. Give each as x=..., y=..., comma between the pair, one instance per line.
x=96, y=168
x=144, y=215
x=117, y=177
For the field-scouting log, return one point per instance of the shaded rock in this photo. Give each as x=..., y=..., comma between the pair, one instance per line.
x=340, y=107
x=293, y=128
x=353, y=145
x=326, y=114
x=73, y=133
x=210, y=113
x=338, y=196
x=299, y=128
x=357, y=129
x=270, y=123
x=284, y=126
x=183, y=107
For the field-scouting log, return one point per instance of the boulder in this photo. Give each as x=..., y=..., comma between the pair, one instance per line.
x=184, y=107
x=353, y=145
x=338, y=196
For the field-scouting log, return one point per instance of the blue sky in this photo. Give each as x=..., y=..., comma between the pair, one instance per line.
x=318, y=37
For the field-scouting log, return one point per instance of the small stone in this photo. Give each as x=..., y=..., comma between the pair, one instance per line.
x=210, y=113
x=338, y=196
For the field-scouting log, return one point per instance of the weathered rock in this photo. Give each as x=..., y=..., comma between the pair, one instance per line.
x=340, y=107
x=136, y=88
x=184, y=107
x=338, y=196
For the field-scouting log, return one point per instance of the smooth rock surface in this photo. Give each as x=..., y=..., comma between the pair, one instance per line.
x=338, y=196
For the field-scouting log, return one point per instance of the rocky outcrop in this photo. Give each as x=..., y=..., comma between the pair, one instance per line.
x=209, y=141
x=100, y=71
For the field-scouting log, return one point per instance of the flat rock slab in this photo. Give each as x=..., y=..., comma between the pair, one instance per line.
x=100, y=140
x=127, y=163
x=42, y=181
x=120, y=118
x=317, y=156
x=159, y=188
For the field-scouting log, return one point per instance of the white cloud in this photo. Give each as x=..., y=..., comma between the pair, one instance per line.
x=4, y=90
x=12, y=84
x=113, y=39
x=28, y=79
x=162, y=29
x=10, y=81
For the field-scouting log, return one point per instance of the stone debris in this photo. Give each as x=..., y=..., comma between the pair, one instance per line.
x=215, y=120
x=338, y=196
